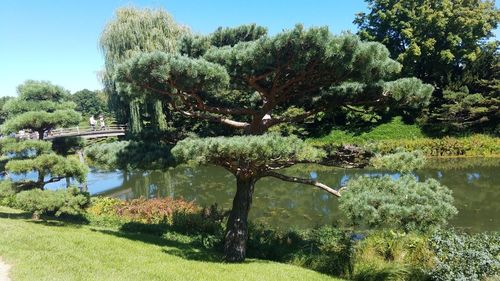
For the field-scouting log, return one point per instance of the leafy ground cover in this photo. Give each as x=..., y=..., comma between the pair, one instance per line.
x=55, y=250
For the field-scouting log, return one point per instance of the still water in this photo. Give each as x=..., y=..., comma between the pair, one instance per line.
x=475, y=184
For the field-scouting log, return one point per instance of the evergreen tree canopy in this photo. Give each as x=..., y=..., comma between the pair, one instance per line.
x=40, y=106
x=404, y=203
x=253, y=85
x=36, y=155
x=309, y=69
x=42, y=121
x=57, y=166
x=474, y=102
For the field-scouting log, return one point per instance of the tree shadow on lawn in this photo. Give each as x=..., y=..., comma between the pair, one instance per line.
x=186, y=250
x=48, y=220
x=8, y=215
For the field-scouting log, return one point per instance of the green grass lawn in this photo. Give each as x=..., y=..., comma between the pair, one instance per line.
x=394, y=130
x=53, y=250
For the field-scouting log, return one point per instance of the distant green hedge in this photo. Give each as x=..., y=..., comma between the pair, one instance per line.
x=472, y=146
x=476, y=145
x=386, y=138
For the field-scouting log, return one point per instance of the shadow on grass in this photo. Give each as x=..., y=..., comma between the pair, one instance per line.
x=8, y=215
x=48, y=220
x=191, y=250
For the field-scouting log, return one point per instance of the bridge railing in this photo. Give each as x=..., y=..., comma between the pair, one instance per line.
x=84, y=130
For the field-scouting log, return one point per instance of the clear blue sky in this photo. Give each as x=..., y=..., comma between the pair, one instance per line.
x=57, y=40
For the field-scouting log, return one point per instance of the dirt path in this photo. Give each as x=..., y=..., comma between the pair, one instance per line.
x=4, y=271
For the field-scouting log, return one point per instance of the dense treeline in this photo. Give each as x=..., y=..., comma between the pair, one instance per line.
x=444, y=43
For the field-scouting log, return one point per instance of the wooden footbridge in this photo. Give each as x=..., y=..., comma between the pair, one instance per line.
x=88, y=132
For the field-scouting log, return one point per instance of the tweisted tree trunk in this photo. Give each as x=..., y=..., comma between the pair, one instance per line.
x=41, y=134
x=237, y=224
x=41, y=180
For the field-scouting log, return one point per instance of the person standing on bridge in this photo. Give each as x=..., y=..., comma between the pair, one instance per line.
x=101, y=121
x=92, y=122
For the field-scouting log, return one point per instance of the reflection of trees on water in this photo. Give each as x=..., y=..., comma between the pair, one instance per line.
x=476, y=191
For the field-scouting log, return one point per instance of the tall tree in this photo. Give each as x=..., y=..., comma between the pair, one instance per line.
x=88, y=102
x=255, y=85
x=133, y=31
x=433, y=39
x=40, y=106
x=443, y=43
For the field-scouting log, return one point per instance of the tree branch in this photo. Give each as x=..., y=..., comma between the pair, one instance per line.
x=293, y=119
x=201, y=105
x=54, y=179
x=303, y=181
x=210, y=117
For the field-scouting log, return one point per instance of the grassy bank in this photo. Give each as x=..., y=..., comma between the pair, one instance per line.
x=396, y=134
x=54, y=250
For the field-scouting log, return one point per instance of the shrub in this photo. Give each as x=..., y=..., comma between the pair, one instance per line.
x=460, y=256
x=329, y=250
x=104, y=206
x=7, y=193
x=65, y=201
x=475, y=145
x=388, y=255
x=324, y=249
x=401, y=161
x=159, y=210
x=157, y=215
x=403, y=203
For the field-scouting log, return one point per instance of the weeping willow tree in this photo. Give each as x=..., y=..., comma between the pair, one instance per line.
x=131, y=32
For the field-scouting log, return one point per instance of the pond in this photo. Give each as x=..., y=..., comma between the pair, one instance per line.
x=475, y=184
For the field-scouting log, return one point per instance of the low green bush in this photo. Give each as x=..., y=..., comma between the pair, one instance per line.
x=388, y=255
x=68, y=201
x=404, y=203
x=325, y=249
x=7, y=193
x=461, y=256
x=401, y=161
x=104, y=206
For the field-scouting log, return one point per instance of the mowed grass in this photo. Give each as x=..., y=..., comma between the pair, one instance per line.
x=54, y=250
x=394, y=130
